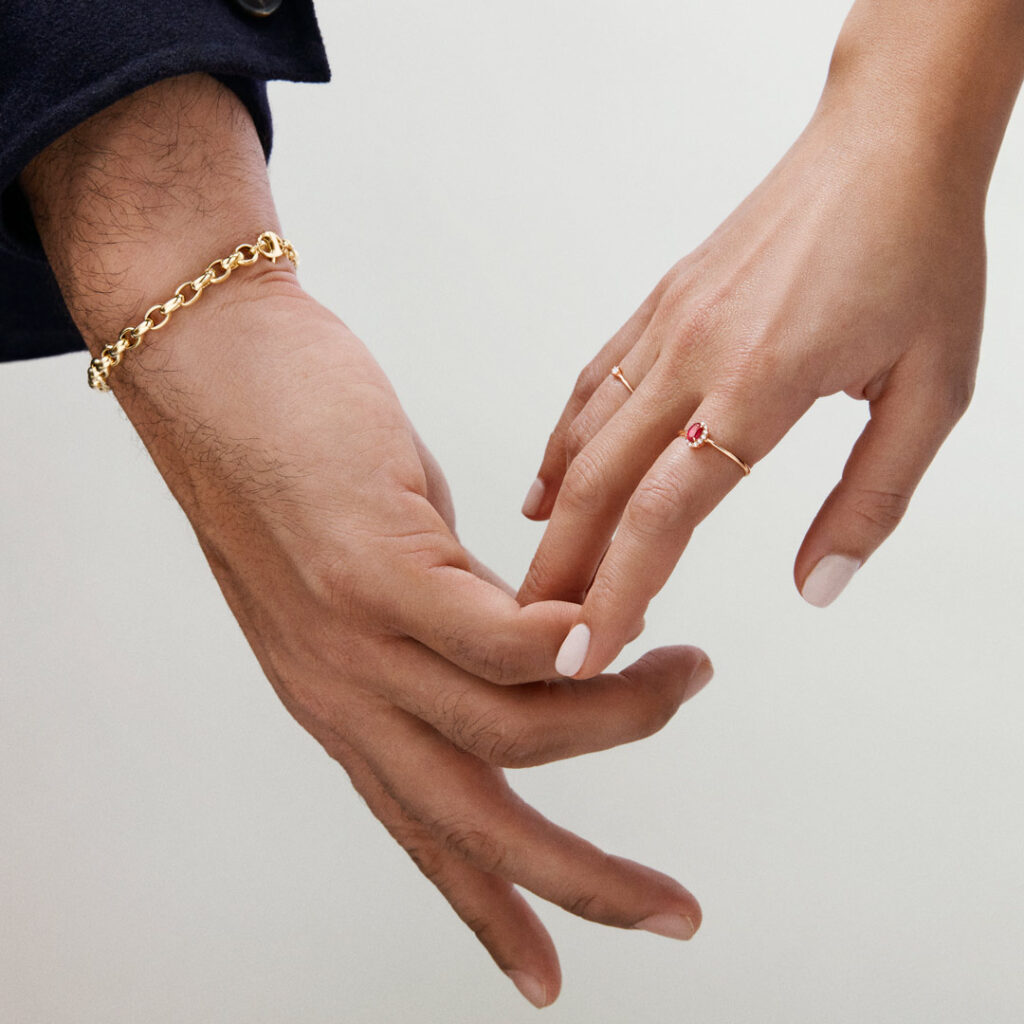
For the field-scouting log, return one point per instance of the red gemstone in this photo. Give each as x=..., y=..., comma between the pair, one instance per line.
x=694, y=432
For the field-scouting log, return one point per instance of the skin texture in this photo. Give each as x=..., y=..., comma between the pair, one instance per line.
x=330, y=530
x=858, y=265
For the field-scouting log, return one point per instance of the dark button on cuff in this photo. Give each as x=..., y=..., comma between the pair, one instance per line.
x=259, y=8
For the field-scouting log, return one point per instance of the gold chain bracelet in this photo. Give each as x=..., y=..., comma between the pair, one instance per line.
x=268, y=245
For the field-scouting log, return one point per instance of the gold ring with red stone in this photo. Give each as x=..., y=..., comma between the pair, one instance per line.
x=616, y=372
x=696, y=435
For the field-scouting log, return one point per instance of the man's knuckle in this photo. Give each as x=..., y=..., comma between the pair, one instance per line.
x=494, y=736
x=452, y=715
x=582, y=905
x=514, y=746
x=498, y=662
x=328, y=578
x=461, y=646
x=592, y=906
x=882, y=510
x=424, y=854
x=492, y=659
x=418, y=843
x=473, y=844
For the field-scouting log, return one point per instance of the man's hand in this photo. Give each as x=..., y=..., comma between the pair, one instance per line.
x=330, y=530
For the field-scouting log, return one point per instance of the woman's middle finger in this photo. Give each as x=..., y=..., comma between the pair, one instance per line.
x=726, y=436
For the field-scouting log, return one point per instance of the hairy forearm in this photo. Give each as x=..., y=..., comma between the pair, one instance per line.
x=941, y=74
x=130, y=204
x=143, y=195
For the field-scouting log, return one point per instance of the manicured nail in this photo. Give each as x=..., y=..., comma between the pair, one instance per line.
x=826, y=580
x=701, y=677
x=529, y=987
x=672, y=926
x=534, y=496
x=573, y=651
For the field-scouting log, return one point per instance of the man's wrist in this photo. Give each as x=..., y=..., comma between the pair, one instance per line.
x=267, y=246
x=144, y=195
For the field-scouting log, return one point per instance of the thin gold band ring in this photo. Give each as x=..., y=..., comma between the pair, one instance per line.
x=616, y=372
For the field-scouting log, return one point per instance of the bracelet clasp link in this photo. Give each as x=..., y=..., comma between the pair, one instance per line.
x=270, y=246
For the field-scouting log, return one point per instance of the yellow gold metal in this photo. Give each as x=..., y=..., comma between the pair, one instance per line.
x=616, y=372
x=729, y=455
x=269, y=245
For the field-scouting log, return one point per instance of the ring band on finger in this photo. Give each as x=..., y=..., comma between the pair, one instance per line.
x=697, y=435
x=616, y=372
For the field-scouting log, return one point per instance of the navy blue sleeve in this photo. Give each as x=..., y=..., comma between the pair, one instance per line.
x=65, y=60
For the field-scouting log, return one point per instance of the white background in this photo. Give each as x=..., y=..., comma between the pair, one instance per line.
x=484, y=193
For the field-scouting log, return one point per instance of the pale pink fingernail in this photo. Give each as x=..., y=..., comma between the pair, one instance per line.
x=672, y=926
x=827, y=580
x=573, y=651
x=531, y=988
x=534, y=496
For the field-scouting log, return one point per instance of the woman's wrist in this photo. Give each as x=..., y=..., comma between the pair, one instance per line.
x=935, y=81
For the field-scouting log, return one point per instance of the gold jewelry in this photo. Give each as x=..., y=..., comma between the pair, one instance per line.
x=696, y=435
x=616, y=372
x=269, y=245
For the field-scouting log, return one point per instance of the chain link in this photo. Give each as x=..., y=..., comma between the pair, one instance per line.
x=268, y=245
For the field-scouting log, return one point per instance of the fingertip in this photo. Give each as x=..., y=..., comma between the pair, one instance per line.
x=682, y=670
x=671, y=926
x=593, y=670
x=573, y=652
x=534, y=499
x=671, y=909
x=532, y=989
x=703, y=673
x=598, y=655
x=828, y=579
x=546, y=506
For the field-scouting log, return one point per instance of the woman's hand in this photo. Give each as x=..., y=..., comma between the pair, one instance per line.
x=858, y=265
